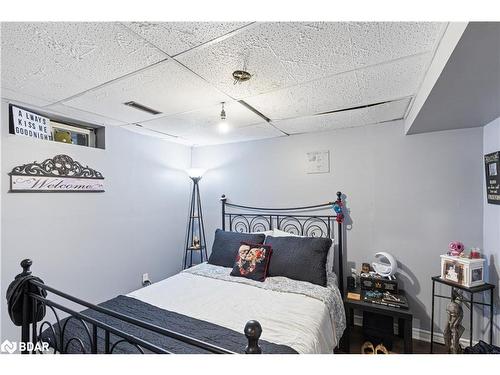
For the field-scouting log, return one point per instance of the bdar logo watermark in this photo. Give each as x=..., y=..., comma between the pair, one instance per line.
x=12, y=346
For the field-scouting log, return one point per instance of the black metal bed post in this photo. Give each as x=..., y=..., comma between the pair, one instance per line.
x=253, y=330
x=341, y=248
x=25, y=326
x=223, y=200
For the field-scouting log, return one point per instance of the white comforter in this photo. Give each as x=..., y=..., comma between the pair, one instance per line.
x=293, y=319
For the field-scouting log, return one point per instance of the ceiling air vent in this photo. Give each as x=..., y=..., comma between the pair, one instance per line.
x=143, y=108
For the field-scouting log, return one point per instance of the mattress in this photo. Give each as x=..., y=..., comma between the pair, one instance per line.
x=306, y=317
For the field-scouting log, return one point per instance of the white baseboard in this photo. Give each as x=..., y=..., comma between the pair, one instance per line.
x=421, y=334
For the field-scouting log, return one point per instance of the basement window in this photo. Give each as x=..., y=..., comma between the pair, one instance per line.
x=73, y=134
x=47, y=127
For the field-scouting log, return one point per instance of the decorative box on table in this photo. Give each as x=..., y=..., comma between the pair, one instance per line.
x=463, y=271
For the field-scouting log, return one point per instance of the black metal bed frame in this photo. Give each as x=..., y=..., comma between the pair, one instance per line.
x=258, y=219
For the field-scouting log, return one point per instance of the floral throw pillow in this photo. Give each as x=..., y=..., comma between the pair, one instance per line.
x=252, y=261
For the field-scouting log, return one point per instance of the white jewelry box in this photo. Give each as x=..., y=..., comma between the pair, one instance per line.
x=463, y=271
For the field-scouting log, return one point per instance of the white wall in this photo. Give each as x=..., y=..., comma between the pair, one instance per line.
x=409, y=195
x=97, y=245
x=491, y=219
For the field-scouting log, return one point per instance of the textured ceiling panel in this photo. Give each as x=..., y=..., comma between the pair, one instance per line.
x=356, y=117
x=86, y=116
x=167, y=87
x=247, y=50
x=187, y=123
x=335, y=92
x=56, y=60
x=393, y=80
x=283, y=54
x=21, y=97
x=376, y=42
x=176, y=37
x=210, y=136
x=151, y=133
x=370, y=85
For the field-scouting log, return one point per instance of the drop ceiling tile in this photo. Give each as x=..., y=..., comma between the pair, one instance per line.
x=376, y=42
x=77, y=114
x=346, y=119
x=335, y=92
x=155, y=134
x=55, y=60
x=247, y=50
x=167, y=87
x=277, y=54
x=210, y=136
x=176, y=37
x=374, y=84
x=280, y=55
x=397, y=79
x=237, y=116
x=309, y=50
x=12, y=95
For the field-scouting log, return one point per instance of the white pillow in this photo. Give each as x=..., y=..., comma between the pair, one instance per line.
x=264, y=232
x=282, y=233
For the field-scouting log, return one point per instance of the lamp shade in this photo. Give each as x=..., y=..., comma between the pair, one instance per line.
x=195, y=172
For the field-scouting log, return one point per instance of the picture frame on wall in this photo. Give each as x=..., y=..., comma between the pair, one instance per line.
x=492, y=170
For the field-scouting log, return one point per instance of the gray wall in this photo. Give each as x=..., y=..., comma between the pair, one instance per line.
x=491, y=221
x=96, y=245
x=408, y=195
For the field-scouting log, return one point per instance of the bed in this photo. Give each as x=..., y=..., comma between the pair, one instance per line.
x=203, y=309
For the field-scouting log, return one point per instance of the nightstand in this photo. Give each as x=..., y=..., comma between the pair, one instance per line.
x=404, y=318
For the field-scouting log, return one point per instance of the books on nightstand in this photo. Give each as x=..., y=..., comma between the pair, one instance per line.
x=385, y=299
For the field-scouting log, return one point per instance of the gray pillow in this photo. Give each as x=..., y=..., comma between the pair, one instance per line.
x=226, y=245
x=299, y=258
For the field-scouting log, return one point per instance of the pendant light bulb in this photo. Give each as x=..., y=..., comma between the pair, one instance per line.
x=222, y=113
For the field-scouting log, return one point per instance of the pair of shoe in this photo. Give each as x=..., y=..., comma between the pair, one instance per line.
x=367, y=348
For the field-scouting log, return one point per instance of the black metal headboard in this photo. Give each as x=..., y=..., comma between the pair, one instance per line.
x=295, y=220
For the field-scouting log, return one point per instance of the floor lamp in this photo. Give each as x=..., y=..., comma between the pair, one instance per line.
x=195, y=237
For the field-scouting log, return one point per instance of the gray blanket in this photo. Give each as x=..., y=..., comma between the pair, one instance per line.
x=199, y=329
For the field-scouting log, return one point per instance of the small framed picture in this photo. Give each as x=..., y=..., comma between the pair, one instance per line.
x=493, y=169
x=453, y=271
x=477, y=274
x=318, y=162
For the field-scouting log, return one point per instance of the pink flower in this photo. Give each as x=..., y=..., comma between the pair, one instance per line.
x=456, y=248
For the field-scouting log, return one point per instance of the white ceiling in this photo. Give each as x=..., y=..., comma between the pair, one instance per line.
x=299, y=71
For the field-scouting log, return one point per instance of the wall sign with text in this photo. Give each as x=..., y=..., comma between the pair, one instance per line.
x=60, y=174
x=30, y=124
x=492, y=168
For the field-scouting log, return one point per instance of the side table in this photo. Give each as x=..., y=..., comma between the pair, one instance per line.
x=477, y=289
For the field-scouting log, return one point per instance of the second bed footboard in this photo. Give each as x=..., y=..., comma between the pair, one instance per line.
x=97, y=329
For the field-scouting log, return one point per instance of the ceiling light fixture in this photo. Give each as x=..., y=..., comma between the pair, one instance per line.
x=223, y=125
x=222, y=113
x=241, y=76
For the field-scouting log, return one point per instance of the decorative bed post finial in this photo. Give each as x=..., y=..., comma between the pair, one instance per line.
x=337, y=207
x=223, y=197
x=26, y=264
x=253, y=330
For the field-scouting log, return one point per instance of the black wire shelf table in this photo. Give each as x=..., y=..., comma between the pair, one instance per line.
x=471, y=291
